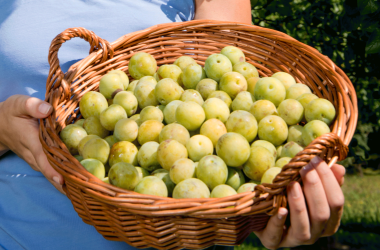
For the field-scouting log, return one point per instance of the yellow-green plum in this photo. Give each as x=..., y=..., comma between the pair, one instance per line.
x=290, y=149
x=270, y=174
x=192, y=74
x=271, y=89
x=145, y=93
x=206, y=86
x=217, y=65
x=136, y=118
x=191, y=188
x=124, y=175
x=169, y=151
x=199, y=146
x=306, y=98
x=79, y=122
x=212, y=170
x=84, y=141
x=273, y=129
x=182, y=169
x=93, y=126
x=78, y=157
x=320, y=109
x=259, y=161
x=132, y=86
x=267, y=145
x=296, y=90
x=234, y=54
x=110, y=116
x=243, y=101
x=222, y=190
x=142, y=172
x=246, y=69
x=110, y=85
x=156, y=77
x=291, y=111
x=282, y=161
x=128, y=101
x=170, y=71
x=92, y=104
x=285, y=78
x=123, y=76
x=184, y=61
x=233, y=148
x=213, y=129
x=235, y=178
x=96, y=148
x=147, y=156
x=222, y=96
x=233, y=83
x=262, y=108
x=111, y=139
x=163, y=174
x=152, y=185
x=161, y=107
x=126, y=130
x=149, y=131
x=279, y=150
x=142, y=64
x=123, y=151
x=246, y=187
x=95, y=167
x=176, y=132
x=192, y=95
x=216, y=108
x=190, y=114
x=251, y=83
x=244, y=123
x=167, y=90
x=312, y=130
x=169, y=111
x=295, y=134
x=151, y=113
x=71, y=135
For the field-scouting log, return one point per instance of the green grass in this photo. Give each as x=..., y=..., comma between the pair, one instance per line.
x=360, y=222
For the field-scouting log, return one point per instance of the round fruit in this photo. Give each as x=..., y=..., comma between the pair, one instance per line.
x=234, y=54
x=243, y=101
x=273, y=129
x=182, y=169
x=167, y=90
x=110, y=85
x=216, y=108
x=290, y=149
x=222, y=190
x=199, y=146
x=176, y=132
x=84, y=141
x=142, y=64
x=247, y=187
x=246, y=69
x=270, y=174
x=93, y=126
x=291, y=111
x=152, y=185
x=191, y=75
x=296, y=90
x=144, y=92
x=96, y=148
x=111, y=139
x=267, y=145
x=163, y=174
x=184, y=61
x=95, y=167
x=128, y=101
x=262, y=108
x=190, y=114
x=282, y=162
x=124, y=77
x=285, y=78
x=279, y=150
x=260, y=160
x=312, y=130
x=169, y=111
x=111, y=115
x=235, y=178
x=147, y=156
x=213, y=129
x=136, y=118
x=306, y=98
x=151, y=113
x=295, y=134
x=244, y=123
x=71, y=135
x=132, y=86
x=92, y=104
x=124, y=175
x=212, y=171
x=191, y=188
x=169, y=151
x=271, y=89
x=170, y=71
x=320, y=109
x=206, y=86
x=126, y=130
x=233, y=83
x=251, y=83
x=142, y=172
x=222, y=96
x=79, y=122
x=216, y=66
x=149, y=131
x=192, y=95
x=233, y=148
x=123, y=151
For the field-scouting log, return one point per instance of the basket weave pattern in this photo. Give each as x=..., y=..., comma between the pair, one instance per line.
x=165, y=223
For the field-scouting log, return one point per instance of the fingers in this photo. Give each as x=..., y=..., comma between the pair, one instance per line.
x=22, y=105
x=271, y=236
x=339, y=171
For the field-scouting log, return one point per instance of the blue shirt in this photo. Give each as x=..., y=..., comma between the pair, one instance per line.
x=33, y=214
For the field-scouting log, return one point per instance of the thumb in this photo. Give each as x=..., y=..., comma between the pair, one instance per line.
x=31, y=106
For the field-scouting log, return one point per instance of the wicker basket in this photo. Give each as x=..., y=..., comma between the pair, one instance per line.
x=166, y=223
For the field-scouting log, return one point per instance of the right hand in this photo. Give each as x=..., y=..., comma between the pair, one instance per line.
x=19, y=133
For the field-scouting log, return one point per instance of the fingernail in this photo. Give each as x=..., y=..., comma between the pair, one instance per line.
x=44, y=108
x=282, y=212
x=56, y=180
x=295, y=190
x=316, y=160
x=310, y=166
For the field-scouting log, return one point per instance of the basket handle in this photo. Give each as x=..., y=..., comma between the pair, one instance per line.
x=56, y=78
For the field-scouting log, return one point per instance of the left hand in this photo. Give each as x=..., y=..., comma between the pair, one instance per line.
x=321, y=217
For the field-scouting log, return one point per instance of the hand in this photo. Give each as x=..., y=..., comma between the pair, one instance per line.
x=321, y=217
x=19, y=132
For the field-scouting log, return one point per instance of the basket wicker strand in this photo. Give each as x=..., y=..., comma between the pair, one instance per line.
x=166, y=223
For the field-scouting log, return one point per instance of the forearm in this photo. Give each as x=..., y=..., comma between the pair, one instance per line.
x=224, y=10
x=3, y=149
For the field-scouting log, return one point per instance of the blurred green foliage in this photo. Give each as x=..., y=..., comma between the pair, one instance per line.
x=348, y=32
